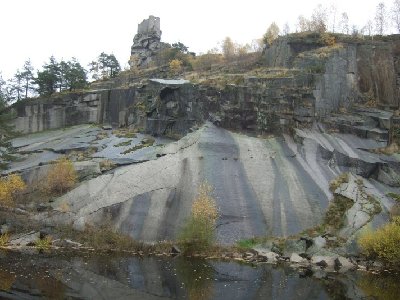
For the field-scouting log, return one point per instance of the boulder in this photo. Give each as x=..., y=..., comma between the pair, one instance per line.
x=323, y=261
x=294, y=245
x=343, y=264
x=270, y=256
x=25, y=239
x=295, y=258
x=318, y=243
x=175, y=250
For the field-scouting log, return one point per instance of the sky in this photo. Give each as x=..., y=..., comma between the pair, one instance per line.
x=85, y=28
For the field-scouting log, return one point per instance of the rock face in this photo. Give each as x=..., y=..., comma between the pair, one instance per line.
x=160, y=107
x=351, y=71
x=146, y=43
x=263, y=187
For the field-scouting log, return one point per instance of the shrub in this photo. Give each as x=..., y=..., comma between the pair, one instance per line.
x=383, y=243
x=199, y=232
x=175, y=66
x=104, y=237
x=60, y=178
x=4, y=239
x=106, y=165
x=44, y=244
x=334, y=216
x=10, y=186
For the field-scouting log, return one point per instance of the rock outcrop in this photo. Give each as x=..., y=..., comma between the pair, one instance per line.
x=146, y=43
x=350, y=71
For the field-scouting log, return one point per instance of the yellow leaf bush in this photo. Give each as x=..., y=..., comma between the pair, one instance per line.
x=60, y=178
x=198, y=233
x=383, y=243
x=10, y=186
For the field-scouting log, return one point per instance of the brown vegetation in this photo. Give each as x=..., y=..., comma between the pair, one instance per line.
x=60, y=178
x=198, y=233
x=383, y=243
x=10, y=187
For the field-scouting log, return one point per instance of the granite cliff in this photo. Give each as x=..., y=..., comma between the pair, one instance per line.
x=269, y=138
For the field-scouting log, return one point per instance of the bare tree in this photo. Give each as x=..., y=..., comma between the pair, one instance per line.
x=303, y=24
x=380, y=18
x=286, y=29
x=344, y=23
x=332, y=17
x=319, y=18
x=396, y=14
x=369, y=27
x=228, y=48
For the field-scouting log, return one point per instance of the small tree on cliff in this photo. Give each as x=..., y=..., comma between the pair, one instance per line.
x=228, y=48
x=6, y=130
x=48, y=79
x=27, y=77
x=108, y=65
x=380, y=18
x=271, y=34
x=396, y=14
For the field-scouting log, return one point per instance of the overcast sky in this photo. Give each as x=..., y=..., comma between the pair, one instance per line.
x=37, y=29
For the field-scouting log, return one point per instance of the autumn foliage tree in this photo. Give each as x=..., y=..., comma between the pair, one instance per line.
x=199, y=231
x=60, y=178
x=175, y=66
x=271, y=34
x=10, y=186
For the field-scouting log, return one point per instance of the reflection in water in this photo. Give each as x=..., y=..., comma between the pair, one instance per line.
x=6, y=280
x=380, y=287
x=197, y=277
x=90, y=276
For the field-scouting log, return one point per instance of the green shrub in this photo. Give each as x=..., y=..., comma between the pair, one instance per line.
x=383, y=243
x=199, y=232
x=334, y=217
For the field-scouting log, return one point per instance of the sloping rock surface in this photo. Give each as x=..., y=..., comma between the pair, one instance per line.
x=273, y=187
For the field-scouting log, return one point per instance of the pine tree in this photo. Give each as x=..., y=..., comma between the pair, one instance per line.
x=6, y=130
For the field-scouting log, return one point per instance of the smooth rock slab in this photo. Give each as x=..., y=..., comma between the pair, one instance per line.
x=25, y=239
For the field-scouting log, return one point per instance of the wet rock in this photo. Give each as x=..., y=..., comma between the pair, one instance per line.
x=66, y=243
x=320, y=274
x=323, y=261
x=343, y=264
x=175, y=250
x=294, y=245
x=24, y=239
x=267, y=255
x=318, y=243
x=295, y=258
